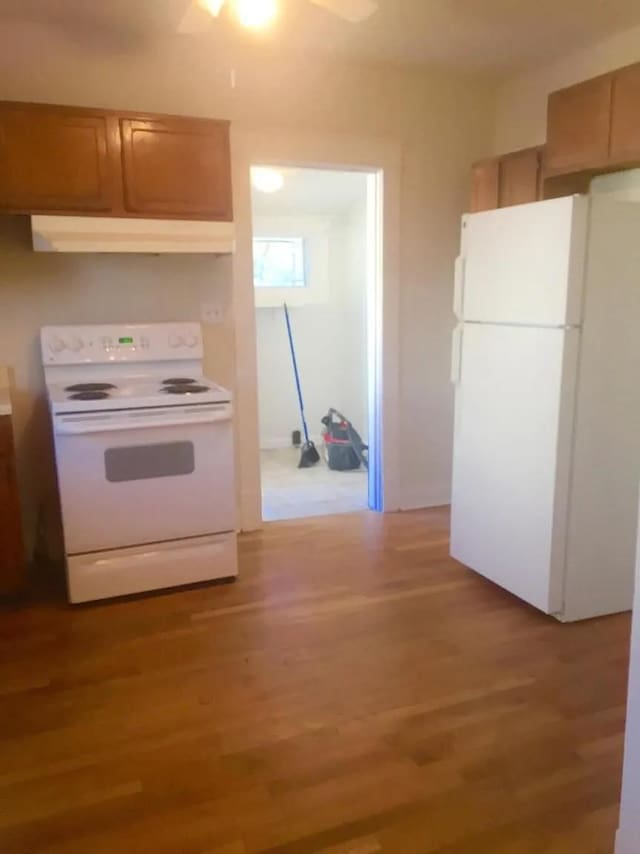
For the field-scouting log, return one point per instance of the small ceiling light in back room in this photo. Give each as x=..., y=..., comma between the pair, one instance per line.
x=256, y=14
x=266, y=180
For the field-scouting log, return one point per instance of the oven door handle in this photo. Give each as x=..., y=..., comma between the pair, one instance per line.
x=94, y=425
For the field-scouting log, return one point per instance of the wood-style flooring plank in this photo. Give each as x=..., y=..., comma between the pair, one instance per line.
x=356, y=691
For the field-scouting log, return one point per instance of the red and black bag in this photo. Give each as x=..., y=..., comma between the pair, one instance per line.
x=344, y=448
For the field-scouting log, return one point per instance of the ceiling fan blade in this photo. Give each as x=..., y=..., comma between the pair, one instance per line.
x=351, y=10
x=197, y=16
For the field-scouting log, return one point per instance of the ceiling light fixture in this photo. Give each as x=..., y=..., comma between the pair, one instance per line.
x=260, y=13
x=212, y=6
x=266, y=180
x=256, y=14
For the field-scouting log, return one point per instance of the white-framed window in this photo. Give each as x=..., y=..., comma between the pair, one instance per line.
x=279, y=262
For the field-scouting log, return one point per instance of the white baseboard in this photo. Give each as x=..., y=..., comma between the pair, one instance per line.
x=420, y=498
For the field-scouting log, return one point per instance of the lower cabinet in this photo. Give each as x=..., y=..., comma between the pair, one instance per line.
x=12, y=555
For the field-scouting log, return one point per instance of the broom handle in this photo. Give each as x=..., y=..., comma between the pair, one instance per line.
x=297, y=375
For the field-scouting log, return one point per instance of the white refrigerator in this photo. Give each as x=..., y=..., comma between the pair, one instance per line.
x=546, y=366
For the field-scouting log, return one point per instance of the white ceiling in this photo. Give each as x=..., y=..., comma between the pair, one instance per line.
x=490, y=35
x=312, y=191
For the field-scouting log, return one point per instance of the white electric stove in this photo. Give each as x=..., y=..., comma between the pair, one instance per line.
x=144, y=453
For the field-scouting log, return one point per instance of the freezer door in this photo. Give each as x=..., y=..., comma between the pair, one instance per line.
x=523, y=264
x=513, y=432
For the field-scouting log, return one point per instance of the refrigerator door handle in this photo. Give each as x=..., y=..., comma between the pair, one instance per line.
x=456, y=354
x=458, y=287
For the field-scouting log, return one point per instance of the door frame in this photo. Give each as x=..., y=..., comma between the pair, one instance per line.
x=283, y=147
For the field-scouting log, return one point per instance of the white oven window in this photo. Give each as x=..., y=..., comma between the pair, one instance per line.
x=143, y=462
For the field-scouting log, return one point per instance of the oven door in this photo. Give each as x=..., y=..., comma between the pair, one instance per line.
x=145, y=476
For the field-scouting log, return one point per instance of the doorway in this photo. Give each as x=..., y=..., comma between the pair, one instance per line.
x=316, y=247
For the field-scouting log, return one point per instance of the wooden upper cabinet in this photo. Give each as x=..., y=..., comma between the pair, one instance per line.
x=177, y=167
x=625, y=115
x=520, y=177
x=578, y=127
x=593, y=127
x=72, y=160
x=511, y=179
x=485, y=185
x=54, y=159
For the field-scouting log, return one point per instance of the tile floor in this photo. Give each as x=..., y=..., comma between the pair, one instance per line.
x=292, y=493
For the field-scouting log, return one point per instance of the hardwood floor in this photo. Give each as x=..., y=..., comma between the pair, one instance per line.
x=355, y=692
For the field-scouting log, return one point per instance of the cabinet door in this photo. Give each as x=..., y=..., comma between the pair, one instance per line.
x=520, y=177
x=578, y=126
x=53, y=159
x=485, y=185
x=177, y=167
x=625, y=118
x=12, y=561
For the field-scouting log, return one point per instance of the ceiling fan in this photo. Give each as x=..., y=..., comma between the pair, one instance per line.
x=258, y=13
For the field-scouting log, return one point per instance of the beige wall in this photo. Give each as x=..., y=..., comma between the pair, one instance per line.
x=521, y=117
x=442, y=123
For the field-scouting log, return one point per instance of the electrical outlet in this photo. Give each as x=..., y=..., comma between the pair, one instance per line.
x=212, y=313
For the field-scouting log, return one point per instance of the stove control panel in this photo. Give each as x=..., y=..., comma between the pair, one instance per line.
x=141, y=342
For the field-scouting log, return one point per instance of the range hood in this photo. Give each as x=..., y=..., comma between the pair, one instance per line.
x=115, y=234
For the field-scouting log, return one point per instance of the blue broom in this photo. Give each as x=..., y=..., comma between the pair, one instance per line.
x=309, y=455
